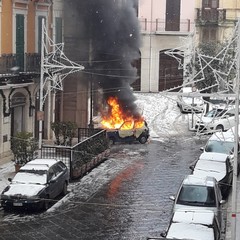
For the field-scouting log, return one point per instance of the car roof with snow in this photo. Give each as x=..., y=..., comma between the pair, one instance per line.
x=204, y=168
x=39, y=164
x=192, y=224
x=194, y=216
x=190, y=231
x=222, y=136
x=205, y=181
x=213, y=156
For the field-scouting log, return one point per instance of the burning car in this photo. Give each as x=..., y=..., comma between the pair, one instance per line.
x=123, y=127
x=124, y=134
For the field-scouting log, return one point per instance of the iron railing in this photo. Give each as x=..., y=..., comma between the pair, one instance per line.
x=29, y=62
x=160, y=25
x=84, y=133
x=81, y=157
x=211, y=15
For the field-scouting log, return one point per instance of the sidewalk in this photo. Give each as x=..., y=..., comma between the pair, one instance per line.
x=229, y=212
x=7, y=170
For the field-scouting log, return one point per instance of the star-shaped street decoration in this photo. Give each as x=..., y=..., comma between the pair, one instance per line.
x=55, y=65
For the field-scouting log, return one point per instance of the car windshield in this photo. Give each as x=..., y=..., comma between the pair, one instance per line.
x=215, y=113
x=219, y=147
x=31, y=177
x=194, y=195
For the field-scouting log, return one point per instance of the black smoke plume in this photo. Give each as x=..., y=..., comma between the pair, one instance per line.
x=111, y=29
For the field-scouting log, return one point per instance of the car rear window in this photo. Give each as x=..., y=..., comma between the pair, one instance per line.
x=194, y=195
x=31, y=177
x=215, y=113
x=220, y=147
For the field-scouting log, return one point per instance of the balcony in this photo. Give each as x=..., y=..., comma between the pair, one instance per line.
x=210, y=15
x=14, y=67
x=160, y=26
x=30, y=62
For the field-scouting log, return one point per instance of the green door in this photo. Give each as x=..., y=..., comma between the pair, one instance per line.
x=20, y=41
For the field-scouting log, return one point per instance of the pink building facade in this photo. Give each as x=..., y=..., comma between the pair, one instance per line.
x=165, y=25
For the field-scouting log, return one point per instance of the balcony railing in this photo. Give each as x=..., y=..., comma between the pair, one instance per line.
x=211, y=15
x=160, y=25
x=29, y=62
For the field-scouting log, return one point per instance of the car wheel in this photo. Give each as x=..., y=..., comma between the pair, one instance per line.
x=220, y=128
x=111, y=141
x=64, y=191
x=142, y=139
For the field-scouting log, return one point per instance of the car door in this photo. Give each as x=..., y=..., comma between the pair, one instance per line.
x=52, y=183
x=219, y=199
x=60, y=177
x=216, y=229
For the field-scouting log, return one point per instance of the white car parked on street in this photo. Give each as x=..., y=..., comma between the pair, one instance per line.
x=222, y=142
x=195, y=225
x=220, y=118
x=199, y=193
x=216, y=165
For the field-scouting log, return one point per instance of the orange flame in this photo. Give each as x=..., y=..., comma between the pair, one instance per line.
x=118, y=119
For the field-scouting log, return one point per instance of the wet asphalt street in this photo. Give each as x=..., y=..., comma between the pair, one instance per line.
x=126, y=197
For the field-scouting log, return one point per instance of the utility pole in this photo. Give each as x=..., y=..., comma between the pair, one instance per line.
x=236, y=141
x=91, y=86
x=41, y=114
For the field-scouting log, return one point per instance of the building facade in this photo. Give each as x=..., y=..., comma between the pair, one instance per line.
x=216, y=19
x=20, y=47
x=165, y=25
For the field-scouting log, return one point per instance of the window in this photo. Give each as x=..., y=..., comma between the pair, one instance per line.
x=57, y=169
x=58, y=30
x=193, y=195
x=209, y=34
x=20, y=51
x=172, y=15
x=210, y=3
x=51, y=174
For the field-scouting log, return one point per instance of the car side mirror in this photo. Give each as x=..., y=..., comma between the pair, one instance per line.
x=52, y=181
x=191, y=167
x=163, y=234
x=201, y=148
x=172, y=198
x=222, y=202
x=10, y=179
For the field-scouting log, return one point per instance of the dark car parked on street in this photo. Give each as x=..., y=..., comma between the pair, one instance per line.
x=35, y=185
